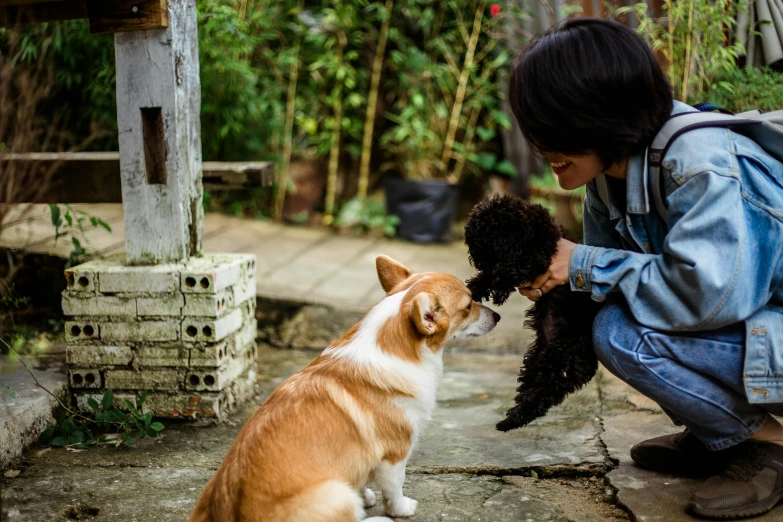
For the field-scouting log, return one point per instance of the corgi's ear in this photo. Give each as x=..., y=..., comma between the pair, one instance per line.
x=428, y=315
x=390, y=272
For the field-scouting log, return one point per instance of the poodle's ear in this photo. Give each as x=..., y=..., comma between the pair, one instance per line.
x=479, y=286
x=390, y=272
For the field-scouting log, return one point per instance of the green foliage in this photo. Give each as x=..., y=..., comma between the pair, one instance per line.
x=426, y=68
x=73, y=223
x=740, y=90
x=439, y=112
x=83, y=99
x=107, y=425
x=693, y=37
x=366, y=215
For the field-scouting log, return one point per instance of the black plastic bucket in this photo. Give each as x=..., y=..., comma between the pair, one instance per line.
x=426, y=208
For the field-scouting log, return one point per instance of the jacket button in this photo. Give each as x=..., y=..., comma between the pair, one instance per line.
x=580, y=281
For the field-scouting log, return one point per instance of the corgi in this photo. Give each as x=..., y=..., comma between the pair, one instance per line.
x=352, y=416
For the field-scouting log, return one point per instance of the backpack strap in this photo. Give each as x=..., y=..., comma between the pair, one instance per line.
x=676, y=126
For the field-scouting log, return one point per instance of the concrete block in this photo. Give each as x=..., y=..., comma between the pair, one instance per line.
x=209, y=356
x=191, y=405
x=216, y=379
x=141, y=331
x=239, y=391
x=244, y=291
x=75, y=304
x=204, y=330
x=144, y=380
x=238, y=343
x=114, y=278
x=79, y=280
x=118, y=399
x=86, y=356
x=165, y=305
x=247, y=262
x=160, y=404
x=248, y=309
x=213, y=273
x=154, y=356
x=82, y=331
x=210, y=305
x=84, y=378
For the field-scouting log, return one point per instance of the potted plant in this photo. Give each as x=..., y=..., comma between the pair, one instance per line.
x=445, y=113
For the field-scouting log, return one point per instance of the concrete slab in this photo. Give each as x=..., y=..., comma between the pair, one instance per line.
x=451, y=474
x=25, y=409
x=628, y=418
x=475, y=392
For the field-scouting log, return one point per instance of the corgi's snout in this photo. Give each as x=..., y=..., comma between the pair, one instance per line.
x=487, y=320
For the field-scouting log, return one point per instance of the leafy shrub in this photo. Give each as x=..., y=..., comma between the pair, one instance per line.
x=740, y=90
x=366, y=215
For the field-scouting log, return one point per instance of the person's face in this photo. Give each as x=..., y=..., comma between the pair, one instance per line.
x=574, y=171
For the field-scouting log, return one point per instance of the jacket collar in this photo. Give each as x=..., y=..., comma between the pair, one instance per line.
x=637, y=193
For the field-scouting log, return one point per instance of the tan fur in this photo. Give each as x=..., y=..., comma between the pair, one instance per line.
x=314, y=444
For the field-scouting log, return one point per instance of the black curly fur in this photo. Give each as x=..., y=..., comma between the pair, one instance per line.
x=510, y=242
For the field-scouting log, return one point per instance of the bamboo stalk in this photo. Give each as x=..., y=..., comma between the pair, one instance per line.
x=372, y=103
x=290, y=106
x=468, y=144
x=686, y=68
x=334, y=148
x=456, y=109
x=670, y=28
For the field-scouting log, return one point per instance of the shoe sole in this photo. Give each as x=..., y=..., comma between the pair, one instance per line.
x=752, y=510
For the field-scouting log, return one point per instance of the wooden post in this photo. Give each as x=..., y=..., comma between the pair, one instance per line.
x=158, y=106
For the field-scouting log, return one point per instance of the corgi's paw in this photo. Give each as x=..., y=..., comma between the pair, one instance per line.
x=369, y=498
x=406, y=507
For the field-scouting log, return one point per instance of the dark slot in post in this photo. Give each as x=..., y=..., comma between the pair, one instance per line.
x=154, y=145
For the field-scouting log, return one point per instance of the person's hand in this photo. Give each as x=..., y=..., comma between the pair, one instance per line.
x=556, y=275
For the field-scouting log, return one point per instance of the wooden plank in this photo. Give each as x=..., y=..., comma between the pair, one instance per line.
x=35, y=13
x=106, y=16
x=5, y=3
x=94, y=177
x=114, y=16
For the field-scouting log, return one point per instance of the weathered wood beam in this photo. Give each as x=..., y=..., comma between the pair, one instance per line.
x=94, y=177
x=36, y=13
x=106, y=16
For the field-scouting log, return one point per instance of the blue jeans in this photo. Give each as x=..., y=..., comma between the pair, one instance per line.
x=696, y=377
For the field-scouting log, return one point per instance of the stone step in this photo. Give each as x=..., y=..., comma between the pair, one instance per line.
x=25, y=409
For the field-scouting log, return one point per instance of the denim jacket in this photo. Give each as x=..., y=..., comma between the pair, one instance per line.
x=717, y=260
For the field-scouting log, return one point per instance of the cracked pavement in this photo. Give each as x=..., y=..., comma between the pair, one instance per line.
x=571, y=465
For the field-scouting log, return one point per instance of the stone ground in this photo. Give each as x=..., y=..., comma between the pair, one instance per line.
x=571, y=465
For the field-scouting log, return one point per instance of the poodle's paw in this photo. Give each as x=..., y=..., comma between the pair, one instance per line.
x=369, y=498
x=406, y=507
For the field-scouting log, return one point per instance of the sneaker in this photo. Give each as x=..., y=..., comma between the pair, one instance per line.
x=680, y=454
x=751, y=485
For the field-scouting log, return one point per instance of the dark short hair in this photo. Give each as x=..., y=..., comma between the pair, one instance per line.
x=590, y=85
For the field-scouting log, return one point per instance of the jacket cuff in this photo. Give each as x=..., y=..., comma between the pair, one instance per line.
x=579, y=267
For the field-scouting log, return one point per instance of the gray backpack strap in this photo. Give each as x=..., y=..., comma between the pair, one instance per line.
x=671, y=130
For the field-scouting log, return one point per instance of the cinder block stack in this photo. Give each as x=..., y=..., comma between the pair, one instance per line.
x=184, y=332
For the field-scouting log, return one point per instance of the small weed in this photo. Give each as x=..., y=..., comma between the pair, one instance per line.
x=108, y=425
x=74, y=223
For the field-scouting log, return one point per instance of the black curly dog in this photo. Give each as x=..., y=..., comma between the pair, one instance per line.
x=511, y=242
